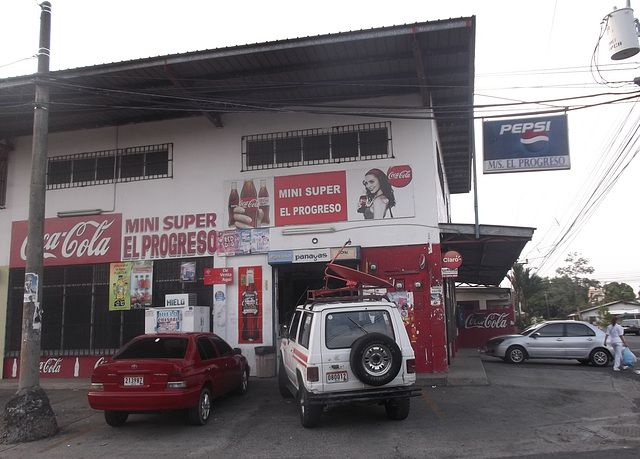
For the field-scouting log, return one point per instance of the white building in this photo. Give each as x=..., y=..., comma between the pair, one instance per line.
x=143, y=157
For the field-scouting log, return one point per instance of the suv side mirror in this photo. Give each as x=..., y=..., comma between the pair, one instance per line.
x=284, y=331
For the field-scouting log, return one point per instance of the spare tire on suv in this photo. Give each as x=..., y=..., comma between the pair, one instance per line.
x=375, y=359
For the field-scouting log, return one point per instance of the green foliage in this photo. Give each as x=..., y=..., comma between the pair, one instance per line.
x=604, y=318
x=615, y=291
x=565, y=294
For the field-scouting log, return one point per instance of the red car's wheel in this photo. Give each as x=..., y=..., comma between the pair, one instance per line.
x=116, y=418
x=199, y=414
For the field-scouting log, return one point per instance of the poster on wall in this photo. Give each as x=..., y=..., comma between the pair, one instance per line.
x=141, y=281
x=249, y=203
x=119, y=275
x=385, y=193
x=188, y=271
x=250, y=305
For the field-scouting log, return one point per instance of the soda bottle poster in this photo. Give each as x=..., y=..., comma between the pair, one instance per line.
x=141, y=282
x=249, y=203
x=250, y=304
x=119, y=275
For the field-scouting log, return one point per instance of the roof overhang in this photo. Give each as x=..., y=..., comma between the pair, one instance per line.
x=325, y=74
x=488, y=252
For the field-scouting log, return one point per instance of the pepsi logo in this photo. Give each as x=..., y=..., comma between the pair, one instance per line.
x=534, y=142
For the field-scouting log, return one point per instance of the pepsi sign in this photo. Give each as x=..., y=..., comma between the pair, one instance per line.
x=530, y=144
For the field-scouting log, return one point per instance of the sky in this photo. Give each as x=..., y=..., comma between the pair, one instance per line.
x=546, y=51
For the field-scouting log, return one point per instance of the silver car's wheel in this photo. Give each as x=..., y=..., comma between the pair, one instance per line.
x=600, y=357
x=516, y=354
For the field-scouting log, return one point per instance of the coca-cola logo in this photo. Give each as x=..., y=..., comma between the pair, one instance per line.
x=72, y=241
x=249, y=203
x=492, y=320
x=51, y=365
x=84, y=239
x=399, y=176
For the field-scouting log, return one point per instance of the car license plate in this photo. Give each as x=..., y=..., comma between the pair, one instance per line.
x=338, y=376
x=133, y=380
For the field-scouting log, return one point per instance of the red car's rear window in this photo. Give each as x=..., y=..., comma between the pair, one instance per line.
x=154, y=347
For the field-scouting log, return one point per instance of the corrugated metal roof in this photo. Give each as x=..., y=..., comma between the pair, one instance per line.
x=488, y=251
x=313, y=74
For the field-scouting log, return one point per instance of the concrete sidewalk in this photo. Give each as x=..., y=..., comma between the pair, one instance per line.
x=465, y=369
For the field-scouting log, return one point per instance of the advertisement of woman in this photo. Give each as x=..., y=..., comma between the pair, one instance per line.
x=379, y=198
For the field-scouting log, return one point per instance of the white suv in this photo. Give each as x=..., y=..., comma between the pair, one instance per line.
x=341, y=350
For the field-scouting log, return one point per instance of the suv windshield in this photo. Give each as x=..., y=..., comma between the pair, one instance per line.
x=343, y=328
x=156, y=347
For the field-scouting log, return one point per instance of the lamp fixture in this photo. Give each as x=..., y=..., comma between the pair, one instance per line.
x=307, y=230
x=79, y=213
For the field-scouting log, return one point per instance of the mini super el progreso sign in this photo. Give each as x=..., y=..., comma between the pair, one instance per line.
x=526, y=144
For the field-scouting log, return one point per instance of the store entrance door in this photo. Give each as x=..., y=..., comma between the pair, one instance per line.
x=295, y=280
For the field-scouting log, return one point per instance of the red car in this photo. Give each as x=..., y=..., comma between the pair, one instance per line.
x=168, y=371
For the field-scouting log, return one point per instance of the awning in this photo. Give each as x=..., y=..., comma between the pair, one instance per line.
x=488, y=255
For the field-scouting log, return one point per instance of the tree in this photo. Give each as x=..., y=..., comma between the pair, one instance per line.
x=577, y=266
x=604, y=317
x=615, y=291
x=524, y=284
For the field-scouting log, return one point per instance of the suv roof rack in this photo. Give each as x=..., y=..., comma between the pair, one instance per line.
x=356, y=281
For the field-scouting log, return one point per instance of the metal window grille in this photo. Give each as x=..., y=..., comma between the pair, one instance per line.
x=146, y=162
x=356, y=142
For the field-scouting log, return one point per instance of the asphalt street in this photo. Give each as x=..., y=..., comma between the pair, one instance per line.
x=550, y=409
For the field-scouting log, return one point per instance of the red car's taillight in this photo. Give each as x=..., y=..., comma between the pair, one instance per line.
x=411, y=365
x=313, y=374
x=177, y=380
x=96, y=382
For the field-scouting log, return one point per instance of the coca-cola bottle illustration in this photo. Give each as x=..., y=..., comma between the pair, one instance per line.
x=362, y=204
x=249, y=200
x=234, y=201
x=249, y=310
x=263, y=202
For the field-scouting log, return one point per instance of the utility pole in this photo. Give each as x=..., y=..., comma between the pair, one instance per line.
x=28, y=415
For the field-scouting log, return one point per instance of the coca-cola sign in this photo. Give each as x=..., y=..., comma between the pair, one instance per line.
x=492, y=320
x=399, y=176
x=71, y=241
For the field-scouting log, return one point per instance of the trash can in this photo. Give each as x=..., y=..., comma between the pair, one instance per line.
x=265, y=361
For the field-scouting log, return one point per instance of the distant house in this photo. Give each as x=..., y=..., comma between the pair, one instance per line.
x=615, y=308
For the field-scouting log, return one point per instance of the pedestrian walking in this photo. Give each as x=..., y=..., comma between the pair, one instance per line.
x=616, y=332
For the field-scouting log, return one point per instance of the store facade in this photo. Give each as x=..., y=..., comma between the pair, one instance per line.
x=234, y=202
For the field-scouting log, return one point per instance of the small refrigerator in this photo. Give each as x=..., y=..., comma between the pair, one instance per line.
x=177, y=319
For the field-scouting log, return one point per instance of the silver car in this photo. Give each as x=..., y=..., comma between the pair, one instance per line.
x=555, y=339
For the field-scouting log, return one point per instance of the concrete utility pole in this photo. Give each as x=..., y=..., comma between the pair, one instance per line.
x=28, y=415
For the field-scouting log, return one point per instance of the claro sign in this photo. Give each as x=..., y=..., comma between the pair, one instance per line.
x=71, y=241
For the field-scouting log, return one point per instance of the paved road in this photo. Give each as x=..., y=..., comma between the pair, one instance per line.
x=539, y=409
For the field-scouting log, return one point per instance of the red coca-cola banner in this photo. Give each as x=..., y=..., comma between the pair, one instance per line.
x=57, y=367
x=71, y=241
x=480, y=325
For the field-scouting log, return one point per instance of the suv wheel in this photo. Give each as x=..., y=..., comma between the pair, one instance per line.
x=398, y=408
x=309, y=414
x=375, y=359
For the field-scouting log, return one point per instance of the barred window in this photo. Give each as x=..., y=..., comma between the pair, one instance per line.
x=121, y=165
x=317, y=146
